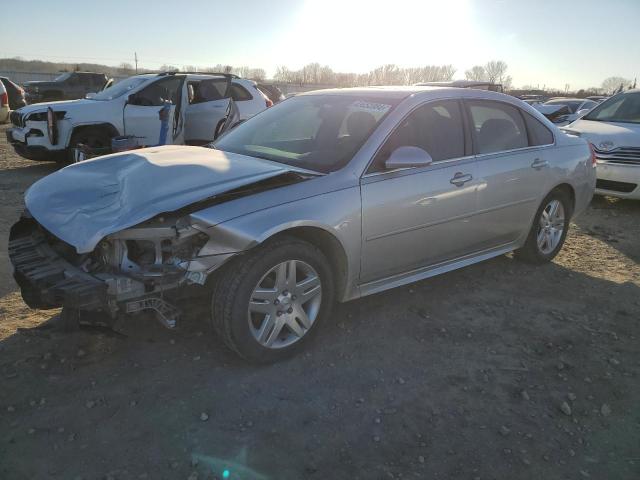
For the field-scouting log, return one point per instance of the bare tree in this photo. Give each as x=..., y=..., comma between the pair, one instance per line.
x=257, y=74
x=611, y=84
x=496, y=71
x=447, y=72
x=477, y=72
x=125, y=68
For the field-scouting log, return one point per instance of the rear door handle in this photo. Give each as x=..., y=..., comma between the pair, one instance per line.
x=459, y=179
x=538, y=164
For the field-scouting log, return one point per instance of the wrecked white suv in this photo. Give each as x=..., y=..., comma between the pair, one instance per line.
x=195, y=104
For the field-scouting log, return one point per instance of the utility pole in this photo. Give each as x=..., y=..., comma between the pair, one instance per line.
x=135, y=56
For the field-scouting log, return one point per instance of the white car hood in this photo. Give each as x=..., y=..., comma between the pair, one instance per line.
x=613, y=135
x=84, y=202
x=60, y=106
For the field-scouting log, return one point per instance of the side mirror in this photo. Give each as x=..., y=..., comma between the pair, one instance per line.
x=132, y=100
x=407, y=157
x=90, y=95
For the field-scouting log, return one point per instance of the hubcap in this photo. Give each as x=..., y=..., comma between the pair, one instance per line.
x=550, y=227
x=284, y=304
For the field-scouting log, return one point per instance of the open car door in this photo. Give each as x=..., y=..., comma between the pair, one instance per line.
x=155, y=114
x=208, y=108
x=231, y=119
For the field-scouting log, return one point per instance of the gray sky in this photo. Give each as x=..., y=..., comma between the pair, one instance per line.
x=544, y=42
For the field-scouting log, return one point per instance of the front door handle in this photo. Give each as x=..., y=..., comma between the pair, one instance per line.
x=538, y=164
x=459, y=179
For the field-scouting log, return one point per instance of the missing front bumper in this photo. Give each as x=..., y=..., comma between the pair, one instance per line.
x=47, y=280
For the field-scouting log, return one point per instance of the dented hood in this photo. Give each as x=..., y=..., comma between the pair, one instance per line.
x=84, y=202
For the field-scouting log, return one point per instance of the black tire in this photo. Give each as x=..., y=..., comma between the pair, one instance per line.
x=531, y=252
x=234, y=284
x=94, y=137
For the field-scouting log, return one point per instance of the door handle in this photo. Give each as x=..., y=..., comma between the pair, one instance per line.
x=538, y=164
x=459, y=179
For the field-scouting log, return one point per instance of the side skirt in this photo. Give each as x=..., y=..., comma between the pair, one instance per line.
x=398, y=280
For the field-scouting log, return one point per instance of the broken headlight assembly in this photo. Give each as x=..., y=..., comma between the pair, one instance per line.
x=157, y=249
x=42, y=116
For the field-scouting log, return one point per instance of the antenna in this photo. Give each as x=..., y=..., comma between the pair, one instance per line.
x=135, y=56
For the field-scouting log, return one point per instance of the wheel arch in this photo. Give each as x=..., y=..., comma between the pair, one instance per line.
x=328, y=244
x=569, y=190
x=108, y=127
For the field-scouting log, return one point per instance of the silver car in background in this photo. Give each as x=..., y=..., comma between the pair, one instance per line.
x=329, y=195
x=613, y=128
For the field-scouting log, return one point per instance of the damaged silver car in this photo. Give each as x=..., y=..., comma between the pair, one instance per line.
x=327, y=196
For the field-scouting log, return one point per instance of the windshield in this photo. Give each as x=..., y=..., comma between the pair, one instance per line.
x=63, y=77
x=118, y=89
x=314, y=132
x=623, y=108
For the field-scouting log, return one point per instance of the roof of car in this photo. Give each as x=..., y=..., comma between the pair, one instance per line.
x=567, y=99
x=458, y=83
x=401, y=91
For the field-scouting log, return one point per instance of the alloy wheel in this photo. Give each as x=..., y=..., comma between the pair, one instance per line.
x=284, y=304
x=550, y=227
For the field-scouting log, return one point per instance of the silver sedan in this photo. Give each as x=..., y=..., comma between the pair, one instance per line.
x=328, y=196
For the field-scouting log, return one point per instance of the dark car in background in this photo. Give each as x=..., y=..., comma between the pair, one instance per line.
x=15, y=92
x=272, y=92
x=67, y=86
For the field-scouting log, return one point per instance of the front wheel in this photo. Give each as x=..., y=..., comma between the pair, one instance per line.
x=268, y=303
x=549, y=229
x=97, y=139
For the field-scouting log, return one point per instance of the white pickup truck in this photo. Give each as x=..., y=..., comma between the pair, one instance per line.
x=196, y=105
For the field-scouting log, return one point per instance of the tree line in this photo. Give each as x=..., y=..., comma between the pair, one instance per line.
x=495, y=71
x=390, y=74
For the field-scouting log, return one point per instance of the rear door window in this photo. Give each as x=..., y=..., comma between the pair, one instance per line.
x=239, y=93
x=496, y=126
x=209, y=90
x=539, y=134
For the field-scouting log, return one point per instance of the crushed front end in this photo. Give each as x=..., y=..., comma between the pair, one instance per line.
x=136, y=269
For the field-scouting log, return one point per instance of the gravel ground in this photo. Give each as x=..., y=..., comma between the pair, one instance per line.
x=497, y=371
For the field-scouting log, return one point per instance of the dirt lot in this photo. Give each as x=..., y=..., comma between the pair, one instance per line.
x=497, y=371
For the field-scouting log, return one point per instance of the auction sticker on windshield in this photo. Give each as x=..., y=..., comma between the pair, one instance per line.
x=379, y=108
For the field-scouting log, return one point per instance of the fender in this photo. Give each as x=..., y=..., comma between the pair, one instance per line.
x=250, y=230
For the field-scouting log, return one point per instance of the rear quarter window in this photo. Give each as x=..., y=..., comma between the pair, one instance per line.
x=539, y=134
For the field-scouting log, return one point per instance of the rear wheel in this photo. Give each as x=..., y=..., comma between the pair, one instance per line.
x=269, y=303
x=549, y=229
